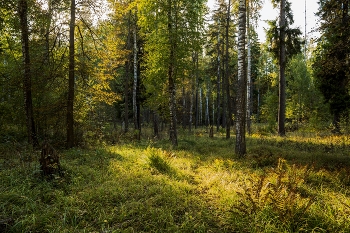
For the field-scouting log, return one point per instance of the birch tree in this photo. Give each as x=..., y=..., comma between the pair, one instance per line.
x=240, y=148
x=227, y=67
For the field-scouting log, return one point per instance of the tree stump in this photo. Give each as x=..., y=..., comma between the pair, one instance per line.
x=49, y=160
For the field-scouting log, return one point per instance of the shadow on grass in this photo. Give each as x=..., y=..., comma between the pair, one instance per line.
x=109, y=191
x=116, y=189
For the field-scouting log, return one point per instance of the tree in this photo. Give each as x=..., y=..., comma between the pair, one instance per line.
x=221, y=51
x=71, y=78
x=240, y=148
x=284, y=44
x=171, y=31
x=27, y=80
x=303, y=97
x=227, y=67
x=331, y=62
x=252, y=15
x=282, y=77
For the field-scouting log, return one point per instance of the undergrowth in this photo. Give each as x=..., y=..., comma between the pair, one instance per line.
x=294, y=184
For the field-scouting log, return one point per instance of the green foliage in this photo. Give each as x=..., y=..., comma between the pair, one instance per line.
x=331, y=57
x=158, y=161
x=269, y=110
x=293, y=40
x=184, y=39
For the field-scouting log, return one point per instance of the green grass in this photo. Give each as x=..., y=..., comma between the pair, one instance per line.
x=300, y=183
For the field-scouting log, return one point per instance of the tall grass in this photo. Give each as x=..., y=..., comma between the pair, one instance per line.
x=295, y=184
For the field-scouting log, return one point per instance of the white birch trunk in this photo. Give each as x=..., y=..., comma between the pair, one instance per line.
x=200, y=107
x=249, y=73
x=134, y=92
x=240, y=148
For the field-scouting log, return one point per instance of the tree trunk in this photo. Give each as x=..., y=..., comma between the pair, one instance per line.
x=172, y=104
x=240, y=148
x=200, y=107
x=126, y=96
x=47, y=33
x=71, y=81
x=249, y=74
x=171, y=81
x=191, y=112
x=183, y=108
x=207, y=119
x=27, y=79
x=155, y=124
x=196, y=88
x=134, y=92
x=218, y=87
x=128, y=71
x=228, y=104
x=282, y=78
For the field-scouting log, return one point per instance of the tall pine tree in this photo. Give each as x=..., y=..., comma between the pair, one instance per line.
x=331, y=64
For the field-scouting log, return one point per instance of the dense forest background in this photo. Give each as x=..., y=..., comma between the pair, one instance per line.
x=81, y=72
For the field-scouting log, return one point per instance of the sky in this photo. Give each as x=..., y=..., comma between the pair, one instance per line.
x=298, y=8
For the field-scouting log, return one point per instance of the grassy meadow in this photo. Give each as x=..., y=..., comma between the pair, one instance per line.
x=300, y=183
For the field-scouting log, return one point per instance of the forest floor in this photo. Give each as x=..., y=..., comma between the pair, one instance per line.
x=299, y=183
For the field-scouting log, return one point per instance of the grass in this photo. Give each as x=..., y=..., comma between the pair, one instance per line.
x=300, y=183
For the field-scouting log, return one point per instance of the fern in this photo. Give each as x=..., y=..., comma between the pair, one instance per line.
x=280, y=194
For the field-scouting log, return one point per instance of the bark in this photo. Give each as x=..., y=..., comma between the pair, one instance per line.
x=191, y=112
x=228, y=104
x=27, y=79
x=155, y=125
x=126, y=97
x=47, y=32
x=71, y=81
x=249, y=74
x=200, y=107
x=218, y=86
x=127, y=78
x=282, y=78
x=172, y=104
x=196, y=88
x=240, y=148
x=207, y=120
x=134, y=93
x=183, y=108
x=171, y=79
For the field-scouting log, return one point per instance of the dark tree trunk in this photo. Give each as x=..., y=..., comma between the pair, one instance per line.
x=126, y=96
x=218, y=113
x=27, y=80
x=155, y=125
x=282, y=78
x=71, y=82
x=127, y=77
x=195, y=58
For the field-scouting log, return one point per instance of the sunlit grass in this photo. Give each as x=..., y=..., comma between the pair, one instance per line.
x=291, y=184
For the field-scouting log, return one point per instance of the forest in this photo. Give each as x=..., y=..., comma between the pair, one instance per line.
x=172, y=116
